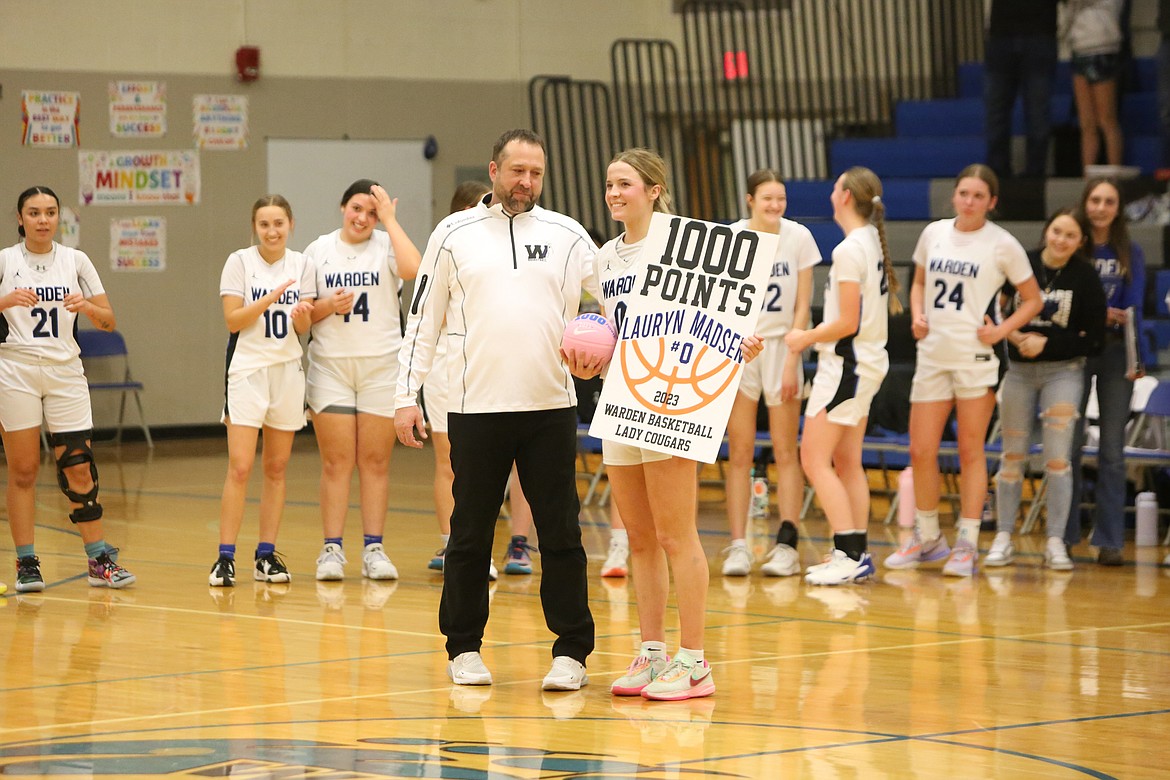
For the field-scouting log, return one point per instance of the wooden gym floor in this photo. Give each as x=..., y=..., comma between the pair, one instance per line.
x=1017, y=673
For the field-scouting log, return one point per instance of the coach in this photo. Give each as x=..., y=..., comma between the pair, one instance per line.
x=506, y=276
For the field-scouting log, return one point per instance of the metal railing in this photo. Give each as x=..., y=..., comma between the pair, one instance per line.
x=765, y=86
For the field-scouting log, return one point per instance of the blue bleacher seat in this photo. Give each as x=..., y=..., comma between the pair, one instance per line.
x=908, y=157
x=935, y=118
x=904, y=199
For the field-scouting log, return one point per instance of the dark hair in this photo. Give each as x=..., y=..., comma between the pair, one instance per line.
x=762, y=176
x=24, y=196
x=519, y=134
x=866, y=188
x=1119, y=239
x=1078, y=216
x=359, y=187
x=983, y=173
x=271, y=200
x=468, y=194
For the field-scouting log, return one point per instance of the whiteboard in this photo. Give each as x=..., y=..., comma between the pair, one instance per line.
x=313, y=174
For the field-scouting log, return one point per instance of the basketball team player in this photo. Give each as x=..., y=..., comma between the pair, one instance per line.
x=851, y=364
x=654, y=491
x=353, y=368
x=960, y=264
x=435, y=395
x=44, y=286
x=521, y=270
x=267, y=292
x=778, y=375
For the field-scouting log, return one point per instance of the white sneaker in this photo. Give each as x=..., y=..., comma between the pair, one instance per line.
x=468, y=669
x=738, y=562
x=1002, y=552
x=616, y=561
x=1056, y=555
x=566, y=674
x=331, y=563
x=840, y=569
x=376, y=564
x=782, y=561
x=493, y=572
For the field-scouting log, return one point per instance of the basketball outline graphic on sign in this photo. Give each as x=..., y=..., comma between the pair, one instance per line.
x=666, y=397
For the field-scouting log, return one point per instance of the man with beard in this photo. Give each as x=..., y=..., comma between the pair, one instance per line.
x=507, y=277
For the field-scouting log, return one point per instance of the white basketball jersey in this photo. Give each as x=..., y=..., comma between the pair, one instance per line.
x=617, y=265
x=44, y=332
x=370, y=272
x=271, y=339
x=795, y=252
x=859, y=259
x=964, y=274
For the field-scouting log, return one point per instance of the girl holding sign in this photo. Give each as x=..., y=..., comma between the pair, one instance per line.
x=267, y=293
x=44, y=286
x=960, y=264
x=655, y=492
x=850, y=368
x=778, y=376
x=353, y=368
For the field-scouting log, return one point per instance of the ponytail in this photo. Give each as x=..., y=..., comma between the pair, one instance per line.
x=879, y=221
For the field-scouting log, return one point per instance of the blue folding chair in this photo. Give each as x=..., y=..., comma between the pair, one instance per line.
x=100, y=344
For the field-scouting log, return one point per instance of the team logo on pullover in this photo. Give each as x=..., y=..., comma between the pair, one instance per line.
x=537, y=251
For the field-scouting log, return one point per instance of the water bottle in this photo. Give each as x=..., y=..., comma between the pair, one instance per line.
x=759, y=508
x=758, y=536
x=1146, y=527
x=906, y=502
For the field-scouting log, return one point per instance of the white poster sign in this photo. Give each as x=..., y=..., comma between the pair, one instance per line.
x=138, y=243
x=676, y=369
x=138, y=109
x=221, y=122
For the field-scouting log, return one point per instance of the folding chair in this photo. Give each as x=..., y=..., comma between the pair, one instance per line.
x=99, y=344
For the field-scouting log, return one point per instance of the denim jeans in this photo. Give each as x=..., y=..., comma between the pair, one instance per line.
x=1024, y=65
x=1164, y=99
x=1026, y=387
x=1114, y=392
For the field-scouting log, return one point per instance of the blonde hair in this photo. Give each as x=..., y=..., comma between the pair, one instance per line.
x=468, y=194
x=866, y=189
x=651, y=168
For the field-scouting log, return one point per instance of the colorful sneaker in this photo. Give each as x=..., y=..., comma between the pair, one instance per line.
x=376, y=564
x=104, y=573
x=28, y=575
x=518, y=560
x=1002, y=552
x=566, y=674
x=331, y=563
x=782, y=561
x=223, y=573
x=962, y=560
x=468, y=669
x=840, y=569
x=738, y=562
x=640, y=673
x=683, y=678
x=1056, y=555
x=436, y=563
x=916, y=551
x=271, y=568
x=617, y=560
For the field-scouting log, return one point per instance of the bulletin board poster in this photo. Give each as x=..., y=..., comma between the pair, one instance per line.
x=169, y=178
x=138, y=109
x=138, y=243
x=221, y=122
x=50, y=119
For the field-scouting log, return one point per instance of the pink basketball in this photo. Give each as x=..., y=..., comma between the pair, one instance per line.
x=590, y=334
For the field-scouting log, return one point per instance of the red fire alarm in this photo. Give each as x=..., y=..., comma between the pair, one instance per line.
x=248, y=63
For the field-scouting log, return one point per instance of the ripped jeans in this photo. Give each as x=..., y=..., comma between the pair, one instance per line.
x=1054, y=389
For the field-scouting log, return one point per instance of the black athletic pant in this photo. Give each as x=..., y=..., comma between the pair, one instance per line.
x=544, y=446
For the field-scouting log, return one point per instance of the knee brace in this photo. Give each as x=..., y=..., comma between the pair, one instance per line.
x=76, y=452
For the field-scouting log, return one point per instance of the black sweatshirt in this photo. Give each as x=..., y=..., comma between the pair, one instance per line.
x=1073, y=317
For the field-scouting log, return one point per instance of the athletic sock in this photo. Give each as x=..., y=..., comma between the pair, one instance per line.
x=227, y=551
x=94, y=549
x=788, y=533
x=852, y=543
x=622, y=536
x=24, y=550
x=265, y=548
x=368, y=539
x=333, y=540
x=969, y=530
x=927, y=525
x=739, y=543
x=697, y=655
x=446, y=538
x=653, y=649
